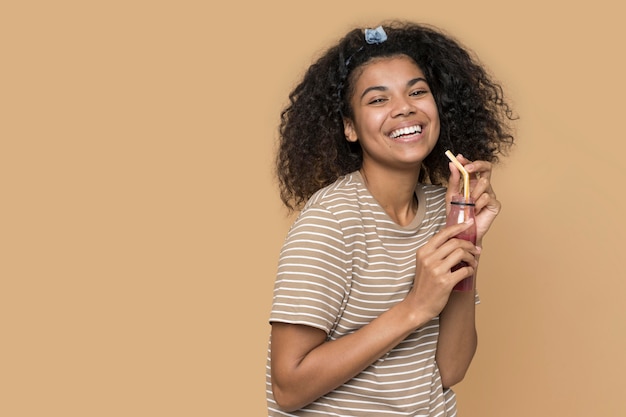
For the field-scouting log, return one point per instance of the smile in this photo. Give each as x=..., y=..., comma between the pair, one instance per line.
x=405, y=131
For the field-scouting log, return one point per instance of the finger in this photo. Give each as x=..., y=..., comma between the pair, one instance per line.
x=480, y=172
x=462, y=273
x=488, y=201
x=474, y=171
x=447, y=233
x=462, y=253
x=483, y=193
x=462, y=159
x=482, y=168
x=454, y=252
x=481, y=188
x=461, y=247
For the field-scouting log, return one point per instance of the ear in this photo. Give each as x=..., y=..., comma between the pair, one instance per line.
x=349, y=131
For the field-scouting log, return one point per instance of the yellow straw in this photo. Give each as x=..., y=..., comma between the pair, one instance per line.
x=466, y=188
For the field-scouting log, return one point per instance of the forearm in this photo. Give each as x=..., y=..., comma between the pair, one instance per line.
x=331, y=364
x=458, y=338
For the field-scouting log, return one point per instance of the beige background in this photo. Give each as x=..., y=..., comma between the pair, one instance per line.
x=140, y=224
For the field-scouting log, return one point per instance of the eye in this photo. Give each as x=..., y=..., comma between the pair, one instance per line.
x=377, y=100
x=418, y=92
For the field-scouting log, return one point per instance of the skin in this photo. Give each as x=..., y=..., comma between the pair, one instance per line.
x=389, y=94
x=383, y=104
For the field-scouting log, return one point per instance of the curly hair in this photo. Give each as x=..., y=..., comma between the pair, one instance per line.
x=313, y=151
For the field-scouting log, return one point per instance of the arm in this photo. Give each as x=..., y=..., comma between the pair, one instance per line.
x=305, y=366
x=458, y=338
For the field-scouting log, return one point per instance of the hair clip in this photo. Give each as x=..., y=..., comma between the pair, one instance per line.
x=377, y=35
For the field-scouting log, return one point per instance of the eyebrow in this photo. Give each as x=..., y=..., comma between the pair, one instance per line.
x=383, y=88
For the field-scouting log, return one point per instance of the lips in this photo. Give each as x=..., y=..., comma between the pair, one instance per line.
x=405, y=131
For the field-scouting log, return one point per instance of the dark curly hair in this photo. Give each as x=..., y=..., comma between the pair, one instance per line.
x=313, y=151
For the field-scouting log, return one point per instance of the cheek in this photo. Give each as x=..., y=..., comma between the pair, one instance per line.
x=369, y=121
x=434, y=116
x=435, y=124
x=436, y=131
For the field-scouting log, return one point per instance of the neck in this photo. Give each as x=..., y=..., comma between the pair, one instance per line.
x=394, y=191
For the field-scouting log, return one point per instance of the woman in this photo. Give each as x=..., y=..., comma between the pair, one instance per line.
x=364, y=318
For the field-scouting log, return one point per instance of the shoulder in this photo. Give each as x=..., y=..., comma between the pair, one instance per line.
x=335, y=207
x=341, y=199
x=344, y=188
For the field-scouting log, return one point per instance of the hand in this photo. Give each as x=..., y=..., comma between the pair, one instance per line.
x=487, y=205
x=434, y=279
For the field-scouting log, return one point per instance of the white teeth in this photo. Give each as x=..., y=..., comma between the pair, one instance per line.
x=405, y=131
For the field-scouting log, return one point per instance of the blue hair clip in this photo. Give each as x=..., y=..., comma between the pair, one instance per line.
x=372, y=36
x=377, y=35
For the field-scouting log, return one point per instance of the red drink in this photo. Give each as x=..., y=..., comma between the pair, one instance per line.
x=462, y=210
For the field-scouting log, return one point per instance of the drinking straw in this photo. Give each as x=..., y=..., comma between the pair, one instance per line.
x=466, y=188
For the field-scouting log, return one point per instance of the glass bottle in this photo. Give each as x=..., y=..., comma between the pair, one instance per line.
x=461, y=210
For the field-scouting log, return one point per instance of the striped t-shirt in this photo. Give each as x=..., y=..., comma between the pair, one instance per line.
x=343, y=263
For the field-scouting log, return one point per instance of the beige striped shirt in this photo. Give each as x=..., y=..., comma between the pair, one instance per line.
x=344, y=262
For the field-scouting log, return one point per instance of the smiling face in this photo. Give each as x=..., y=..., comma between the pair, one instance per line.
x=395, y=117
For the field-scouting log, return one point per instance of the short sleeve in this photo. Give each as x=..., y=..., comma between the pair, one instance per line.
x=313, y=272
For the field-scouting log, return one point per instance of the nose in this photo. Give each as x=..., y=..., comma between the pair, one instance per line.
x=403, y=107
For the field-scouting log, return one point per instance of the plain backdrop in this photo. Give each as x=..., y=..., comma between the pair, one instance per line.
x=140, y=222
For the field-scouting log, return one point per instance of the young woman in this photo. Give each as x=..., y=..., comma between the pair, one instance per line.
x=364, y=320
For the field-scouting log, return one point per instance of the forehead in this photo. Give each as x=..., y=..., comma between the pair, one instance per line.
x=382, y=68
